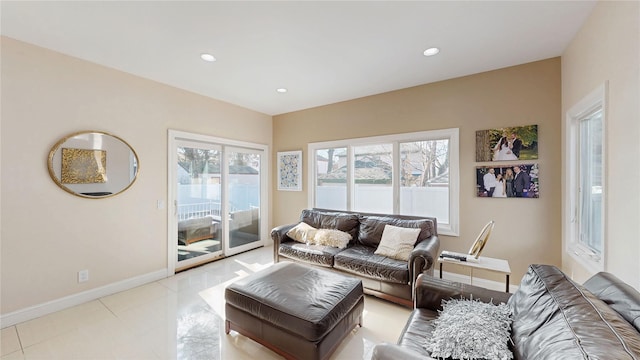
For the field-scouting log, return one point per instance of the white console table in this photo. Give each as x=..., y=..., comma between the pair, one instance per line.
x=484, y=263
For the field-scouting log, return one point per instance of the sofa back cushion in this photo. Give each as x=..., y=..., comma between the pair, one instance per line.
x=347, y=222
x=372, y=227
x=621, y=297
x=555, y=318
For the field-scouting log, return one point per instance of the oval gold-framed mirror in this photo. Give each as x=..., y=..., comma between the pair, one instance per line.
x=93, y=164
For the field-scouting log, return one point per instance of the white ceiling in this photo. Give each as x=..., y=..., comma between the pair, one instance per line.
x=322, y=52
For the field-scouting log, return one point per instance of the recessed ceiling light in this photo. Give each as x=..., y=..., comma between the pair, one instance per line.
x=207, y=57
x=431, y=51
x=281, y=90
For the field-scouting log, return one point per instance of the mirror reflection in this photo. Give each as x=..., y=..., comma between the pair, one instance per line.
x=93, y=164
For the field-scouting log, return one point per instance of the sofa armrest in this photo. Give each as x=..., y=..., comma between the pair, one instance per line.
x=423, y=257
x=393, y=352
x=279, y=235
x=430, y=291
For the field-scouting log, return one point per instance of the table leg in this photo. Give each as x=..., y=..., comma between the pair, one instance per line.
x=440, y=270
x=507, y=282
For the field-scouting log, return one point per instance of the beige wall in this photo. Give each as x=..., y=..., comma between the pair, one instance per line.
x=527, y=230
x=607, y=49
x=49, y=235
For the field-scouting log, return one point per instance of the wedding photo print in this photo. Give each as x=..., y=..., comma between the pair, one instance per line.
x=507, y=144
x=508, y=181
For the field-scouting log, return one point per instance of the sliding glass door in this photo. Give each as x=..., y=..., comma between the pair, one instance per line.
x=218, y=192
x=198, y=202
x=243, y=191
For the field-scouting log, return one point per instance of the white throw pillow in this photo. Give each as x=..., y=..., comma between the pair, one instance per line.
x=468, y=329
x=332, y=237
x=397, y=242
x=303, y=233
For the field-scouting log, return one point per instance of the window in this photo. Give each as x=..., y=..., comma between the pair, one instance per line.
x=373, y=175
x=409, y=174
x=585, y=217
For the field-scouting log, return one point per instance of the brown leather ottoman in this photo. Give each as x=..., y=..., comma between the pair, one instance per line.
x=298, y=311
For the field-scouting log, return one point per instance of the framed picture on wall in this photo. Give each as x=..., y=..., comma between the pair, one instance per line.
x=290, y=170
x=514, y=181
x=507, y=144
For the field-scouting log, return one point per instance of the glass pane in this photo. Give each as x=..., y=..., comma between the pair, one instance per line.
x=331, y=178
x=199, y=198
x=424, y=179
x=244, y=198
x=590, y=177
x=373, y=170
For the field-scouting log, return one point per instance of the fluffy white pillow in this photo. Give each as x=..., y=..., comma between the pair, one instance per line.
x=468, y=329
x=331, y=237
x=397, y=242
x=303, y=233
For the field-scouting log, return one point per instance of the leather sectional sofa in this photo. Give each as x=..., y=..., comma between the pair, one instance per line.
x=553, y=317
x=381, y=276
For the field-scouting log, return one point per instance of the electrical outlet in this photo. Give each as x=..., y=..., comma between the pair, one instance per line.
x=83, y=275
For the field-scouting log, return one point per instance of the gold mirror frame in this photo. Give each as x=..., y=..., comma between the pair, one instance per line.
x=481, y=240
x=82, y=164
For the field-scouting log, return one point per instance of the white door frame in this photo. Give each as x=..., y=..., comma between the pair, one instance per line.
x=174, y=136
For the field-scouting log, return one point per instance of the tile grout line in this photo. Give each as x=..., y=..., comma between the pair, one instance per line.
x=108, y=309
x=19, y=340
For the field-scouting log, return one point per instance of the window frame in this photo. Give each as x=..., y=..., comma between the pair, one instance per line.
x=452, y=135
x=584, y=255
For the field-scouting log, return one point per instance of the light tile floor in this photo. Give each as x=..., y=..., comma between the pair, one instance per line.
x=181, y=317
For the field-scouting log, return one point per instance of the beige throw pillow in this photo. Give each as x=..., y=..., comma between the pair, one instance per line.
x=332, y=237
x=303, y=233
x=397, y=242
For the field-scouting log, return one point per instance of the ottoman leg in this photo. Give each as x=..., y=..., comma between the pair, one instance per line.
x=227, y=327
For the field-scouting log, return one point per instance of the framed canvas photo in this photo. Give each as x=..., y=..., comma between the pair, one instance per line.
x=520, y=180
x=507, y=144
x=290, y=170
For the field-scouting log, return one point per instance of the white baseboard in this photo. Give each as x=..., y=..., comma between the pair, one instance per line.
x=49, y=307
x=485, y=283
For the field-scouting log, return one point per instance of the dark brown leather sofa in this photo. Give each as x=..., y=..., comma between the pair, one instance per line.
x=381, y=276
x=553, y=317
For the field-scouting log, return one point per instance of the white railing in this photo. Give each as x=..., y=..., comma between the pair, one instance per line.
x=196, y=210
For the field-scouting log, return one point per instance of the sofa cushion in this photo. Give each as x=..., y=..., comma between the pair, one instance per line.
x=361, y=260
x=302, y=232
x=307, y=253
x=397, y=242
x=553, y=316
x=471, y=329
x=332, y=237
x=623, y=298
x=372, y=227
x=419, y=325
x=332, y=220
